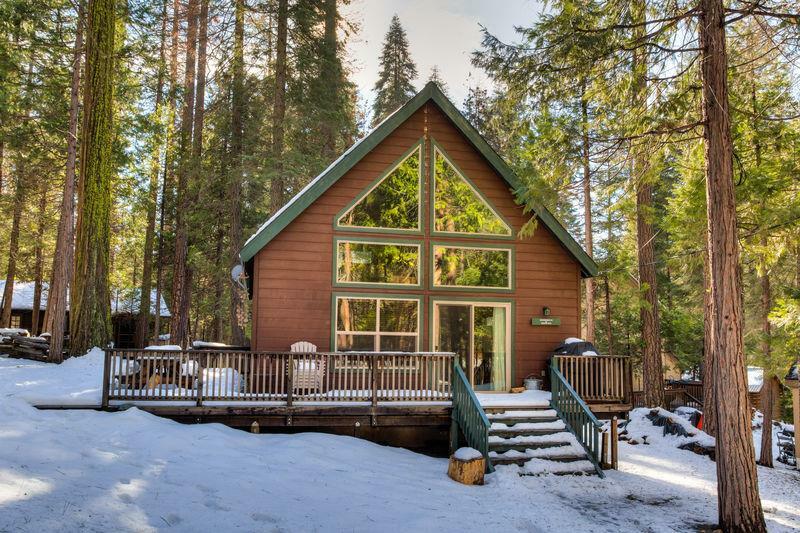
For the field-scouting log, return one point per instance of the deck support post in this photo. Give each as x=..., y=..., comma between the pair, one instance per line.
x=453, y=435
x=614, y=443
x=373, y=370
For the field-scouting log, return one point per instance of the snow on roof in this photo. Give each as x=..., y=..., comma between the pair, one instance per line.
x=22, y=297
x=122, y=300
x=127, y=301
x=755, y=378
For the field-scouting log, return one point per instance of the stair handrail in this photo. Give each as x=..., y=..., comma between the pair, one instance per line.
x=577, y=416
x=469, y=415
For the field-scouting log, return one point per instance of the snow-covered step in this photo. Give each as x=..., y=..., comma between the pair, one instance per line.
x=524, y=442
x=517, y=416
x=539, y=467
x=566, y=453
x=526, y=428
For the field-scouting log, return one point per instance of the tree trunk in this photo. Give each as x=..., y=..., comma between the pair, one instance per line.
x=181, y=277
x=739, y=502
x=200, y=98
x=768, y=391
x=13, y=250
x=652, y=367
x=143, y=320
x=169, y=158
x=236, y=175
x=90, y=299
x=709, y=385
x=332, y=77
x=55, y=315
x=587, y=212
x=279, y=109
x=216, y=325
x=609, y=328
x=38, y=264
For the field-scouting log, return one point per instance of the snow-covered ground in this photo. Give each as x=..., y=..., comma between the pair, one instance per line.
x=130, y=471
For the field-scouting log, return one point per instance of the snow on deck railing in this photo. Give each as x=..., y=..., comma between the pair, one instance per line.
x=242, y=376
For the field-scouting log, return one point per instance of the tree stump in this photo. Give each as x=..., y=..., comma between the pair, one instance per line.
x=467, y=466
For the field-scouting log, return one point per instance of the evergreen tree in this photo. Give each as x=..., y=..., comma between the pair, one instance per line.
x=90, y=300
x=397, y=73
x=436, y=77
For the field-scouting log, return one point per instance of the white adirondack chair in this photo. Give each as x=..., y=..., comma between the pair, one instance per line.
x=308, y=373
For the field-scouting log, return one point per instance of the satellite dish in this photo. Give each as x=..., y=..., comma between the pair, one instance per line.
x=238, y=275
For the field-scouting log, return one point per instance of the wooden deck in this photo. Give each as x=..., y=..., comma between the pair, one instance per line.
x=603, y=382
x=401, y=399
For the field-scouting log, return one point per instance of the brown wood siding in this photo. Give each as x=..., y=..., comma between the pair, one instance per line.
x=293, y=287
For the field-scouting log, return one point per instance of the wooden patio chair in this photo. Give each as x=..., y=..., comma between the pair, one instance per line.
x=308, y=373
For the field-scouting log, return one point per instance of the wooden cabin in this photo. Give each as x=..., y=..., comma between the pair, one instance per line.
x=410, y=241
x=124, y=311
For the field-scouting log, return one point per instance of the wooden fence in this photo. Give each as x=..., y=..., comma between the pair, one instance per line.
x=286, y=377
x=597, y=378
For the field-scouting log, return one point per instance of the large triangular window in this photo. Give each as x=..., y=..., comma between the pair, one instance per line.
x=457, y=204
x=391, y=203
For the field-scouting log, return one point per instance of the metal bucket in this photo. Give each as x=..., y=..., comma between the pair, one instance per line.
x=532, y=383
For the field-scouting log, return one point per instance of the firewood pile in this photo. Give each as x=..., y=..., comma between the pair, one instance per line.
x=23, y=347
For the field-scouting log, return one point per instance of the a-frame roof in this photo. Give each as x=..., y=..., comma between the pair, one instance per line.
x=353, y=155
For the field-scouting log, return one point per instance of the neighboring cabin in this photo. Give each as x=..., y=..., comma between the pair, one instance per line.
x=124, y=310
x=410, y=242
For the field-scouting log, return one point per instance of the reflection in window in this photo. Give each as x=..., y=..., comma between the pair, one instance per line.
x=457, y=206
x=377, y=324
x=366, y=262
x=393, y=203
x=471, y=267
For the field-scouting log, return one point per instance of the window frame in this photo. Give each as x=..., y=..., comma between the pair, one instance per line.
x=377, y=297
x=436, y=147
x=505, y=248
x=417, y=146
x=368, y=240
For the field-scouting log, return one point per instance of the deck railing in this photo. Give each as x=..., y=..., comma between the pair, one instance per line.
x=469, y=415
x=597, y=378
x=285, y=377
x=577, y=416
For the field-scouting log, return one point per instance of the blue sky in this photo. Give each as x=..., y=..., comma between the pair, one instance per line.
x=440, y=32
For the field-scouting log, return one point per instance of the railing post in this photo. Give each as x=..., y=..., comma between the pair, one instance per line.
x=373, y=367
x=106, y=377
x=199, y=379
x=289, y=379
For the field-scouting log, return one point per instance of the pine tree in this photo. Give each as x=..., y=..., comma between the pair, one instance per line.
x=90, y=312
x=397, y=73
x=436, y=77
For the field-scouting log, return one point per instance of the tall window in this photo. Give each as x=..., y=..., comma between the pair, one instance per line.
x=380, y=263
x=393, y=203
x=461, y=266
x=377, y=324
x=457, y=205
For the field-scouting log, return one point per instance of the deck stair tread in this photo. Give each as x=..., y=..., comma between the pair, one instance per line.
x=534, y=440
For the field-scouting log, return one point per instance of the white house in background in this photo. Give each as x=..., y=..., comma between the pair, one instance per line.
x=124, y=309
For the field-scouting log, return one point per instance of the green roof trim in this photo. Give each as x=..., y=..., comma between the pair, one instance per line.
x=277, y=222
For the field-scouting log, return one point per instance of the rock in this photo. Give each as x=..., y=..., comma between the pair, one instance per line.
x=467, y=468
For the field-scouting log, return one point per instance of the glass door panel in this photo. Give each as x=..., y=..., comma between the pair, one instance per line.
x=454, y=328
x=478, y=334
x=489, y=348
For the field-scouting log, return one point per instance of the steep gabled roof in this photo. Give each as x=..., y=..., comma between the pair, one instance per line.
x=353, y=155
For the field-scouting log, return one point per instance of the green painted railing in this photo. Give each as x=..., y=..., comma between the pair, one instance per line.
x=577, y=416
x=468, y=414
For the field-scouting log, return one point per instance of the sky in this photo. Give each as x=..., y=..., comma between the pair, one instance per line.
x=440, y=32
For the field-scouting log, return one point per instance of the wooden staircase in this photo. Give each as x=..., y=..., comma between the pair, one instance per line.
x=536, y=440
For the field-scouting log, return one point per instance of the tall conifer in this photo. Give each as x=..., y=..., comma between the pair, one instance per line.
x=395, y=82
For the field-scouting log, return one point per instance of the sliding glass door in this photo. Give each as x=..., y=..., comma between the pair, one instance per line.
x=479, y=333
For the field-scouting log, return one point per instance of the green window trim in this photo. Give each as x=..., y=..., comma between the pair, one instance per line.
x=418, y=147
x=335, y=296
x=471, y=246
x=378, y=241
x=436, y=147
